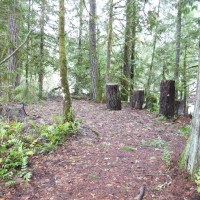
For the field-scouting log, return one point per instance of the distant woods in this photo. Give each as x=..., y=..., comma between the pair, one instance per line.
x=135, y=44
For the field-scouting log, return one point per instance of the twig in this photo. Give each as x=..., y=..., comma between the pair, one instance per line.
x=17, y=49
x=142, y=192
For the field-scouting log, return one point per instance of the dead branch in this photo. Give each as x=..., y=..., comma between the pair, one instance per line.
x=142, y=192
x=17, y=49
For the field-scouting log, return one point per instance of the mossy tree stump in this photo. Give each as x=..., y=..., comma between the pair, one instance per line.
x=113, y=96
x=137, y=99
x=167, y=98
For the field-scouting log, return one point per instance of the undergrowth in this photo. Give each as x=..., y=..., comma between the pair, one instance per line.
x=18, y=142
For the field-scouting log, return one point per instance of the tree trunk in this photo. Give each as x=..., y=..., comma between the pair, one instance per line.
x=178, y=44
x=192, y=156
x=94, y=66
x=126, y=64
x=109, y=46
x=67, y=104
x=184, y=82
x=149, y=80
x=14, y=78
x=167, y=98
x=80, y=54
x=113, y=96
x=133, y=51
x=138, y=99
x=41, y=67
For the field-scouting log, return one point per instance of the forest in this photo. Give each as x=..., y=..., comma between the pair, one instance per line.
x=99, y=99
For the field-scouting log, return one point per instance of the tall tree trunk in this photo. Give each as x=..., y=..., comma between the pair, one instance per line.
x=126, y=64
x=192, y=158
x=80, y=56
x=67, y=104
x=178, y=45
x=94, y=66
x=28, y=45
x=149, y=80
x=41, y=67
x=133, y=51
x=14, y=78
x=184, y=82
x=109, y=46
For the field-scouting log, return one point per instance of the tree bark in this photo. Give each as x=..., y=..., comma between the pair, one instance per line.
x=133, y=45
x=80, y=55
x=126, y=64
x=41, y=67
x=113, y=96
x=178, y=44
x=138, y=99
x=109, y=46
x=14, y=77
x=149, y=80
x=67, y=104
x=94, y=66
x=167, y=98
x=192, y=156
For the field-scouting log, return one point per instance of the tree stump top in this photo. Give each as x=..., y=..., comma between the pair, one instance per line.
x=111, y=84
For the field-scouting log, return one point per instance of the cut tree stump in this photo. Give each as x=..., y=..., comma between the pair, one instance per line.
x=13, y=111
x=167, y=98
x=138, y=99
x=113, y=96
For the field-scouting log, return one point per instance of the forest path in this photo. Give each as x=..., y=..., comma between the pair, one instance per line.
x=111, y=166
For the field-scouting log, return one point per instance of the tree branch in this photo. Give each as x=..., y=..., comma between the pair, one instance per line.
x=17, y=49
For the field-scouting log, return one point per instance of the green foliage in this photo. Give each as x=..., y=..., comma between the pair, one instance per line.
x=166, y=156
x=185, y=131
x=158, y=142
x=18, y=143
x=197, y=180
x=26, y=93
x=128, y=148
x=162, y=118
x=152, y=103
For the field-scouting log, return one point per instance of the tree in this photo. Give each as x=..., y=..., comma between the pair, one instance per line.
x=94, y=65
x=126, y=59
x=13, y=32
x=80, y=50
x=178, y=43
x=67, y=104
x=109, y=45
x=42, y=33
x=192, y=157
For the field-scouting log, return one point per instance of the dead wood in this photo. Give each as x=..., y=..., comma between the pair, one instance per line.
x=142, y=192
x=13, y=111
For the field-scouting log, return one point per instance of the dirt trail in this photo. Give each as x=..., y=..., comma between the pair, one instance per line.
x=111, y=166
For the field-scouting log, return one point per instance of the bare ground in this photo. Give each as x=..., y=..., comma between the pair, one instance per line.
x=96, y=164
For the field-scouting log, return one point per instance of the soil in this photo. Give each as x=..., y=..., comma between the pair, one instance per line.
x=107, y=158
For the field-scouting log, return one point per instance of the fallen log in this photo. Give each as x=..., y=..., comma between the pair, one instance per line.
x=13, y=111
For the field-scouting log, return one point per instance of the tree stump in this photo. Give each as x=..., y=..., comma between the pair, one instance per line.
x=138, y=99
x=113, y=96
x=13, y=112
x=167, y=98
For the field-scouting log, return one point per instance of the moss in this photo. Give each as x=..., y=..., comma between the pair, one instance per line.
x=181, y=162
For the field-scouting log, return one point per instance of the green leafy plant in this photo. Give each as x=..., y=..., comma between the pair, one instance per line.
x=162, y=118
x=128, y=148
x=17, y=144
x=158, y=142
x=197, y=180
x=166, y=156
x=185, y=131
